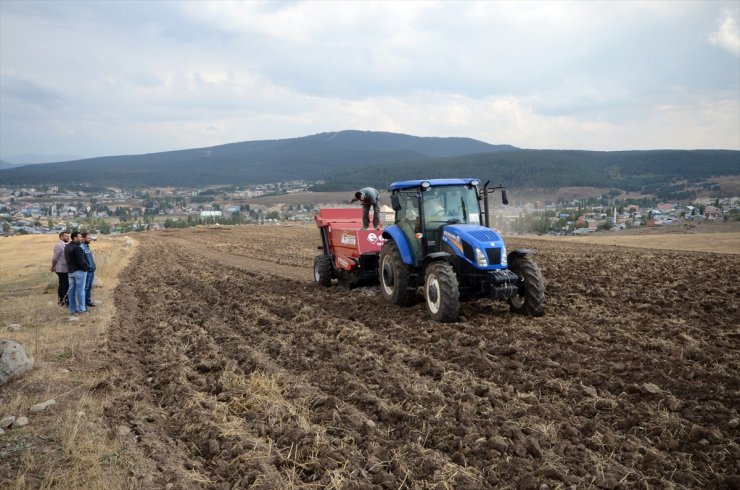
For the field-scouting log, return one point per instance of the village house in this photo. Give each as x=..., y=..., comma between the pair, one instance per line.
x=712, y=212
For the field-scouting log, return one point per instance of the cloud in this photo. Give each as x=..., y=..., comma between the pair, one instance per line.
x=727, y=36
x=30, y=92
x=130, y=77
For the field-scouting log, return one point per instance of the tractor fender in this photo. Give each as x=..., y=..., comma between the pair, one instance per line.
x=520, y=252
x=395, y=233
x=438, y=256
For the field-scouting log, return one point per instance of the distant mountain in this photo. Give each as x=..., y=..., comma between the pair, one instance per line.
x=426, y=146
x=352, y=159
x=311, y=157
x=664, y=173
x=6, y=165
x=33, y=158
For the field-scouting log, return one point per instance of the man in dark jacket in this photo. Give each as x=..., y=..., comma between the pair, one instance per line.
x=90, y=260
x=369, y=196
x=77, y=274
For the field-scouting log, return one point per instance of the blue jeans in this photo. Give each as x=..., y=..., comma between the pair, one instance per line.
x=77, y=291
x=88, y=287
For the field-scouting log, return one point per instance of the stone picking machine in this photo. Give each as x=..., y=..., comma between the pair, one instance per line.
x=350, y=254
x=440, y=242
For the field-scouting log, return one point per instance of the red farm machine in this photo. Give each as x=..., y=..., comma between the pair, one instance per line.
x=350, y=254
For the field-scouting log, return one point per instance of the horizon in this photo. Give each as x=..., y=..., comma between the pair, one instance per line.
x=37, y=157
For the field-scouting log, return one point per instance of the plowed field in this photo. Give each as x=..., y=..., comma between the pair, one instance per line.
x=233, y=370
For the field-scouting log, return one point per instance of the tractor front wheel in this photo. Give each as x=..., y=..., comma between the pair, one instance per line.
x=441, y=292
x=394, y=276
x=322, y=270
x=531, y=301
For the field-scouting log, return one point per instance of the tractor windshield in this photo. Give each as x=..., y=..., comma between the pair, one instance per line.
x=451, y=204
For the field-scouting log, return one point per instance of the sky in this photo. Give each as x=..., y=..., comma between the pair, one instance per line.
x=96, y=78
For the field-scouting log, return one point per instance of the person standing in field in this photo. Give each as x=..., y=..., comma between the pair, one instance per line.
x=59, y=266
x=90, y=261
x=369, y=196
x=77, y=274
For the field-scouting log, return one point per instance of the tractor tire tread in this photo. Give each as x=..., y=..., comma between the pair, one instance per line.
x=449, y=307
x=534, y=293
x=402, y=294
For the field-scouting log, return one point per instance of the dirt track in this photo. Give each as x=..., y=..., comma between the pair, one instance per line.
x=234, y=371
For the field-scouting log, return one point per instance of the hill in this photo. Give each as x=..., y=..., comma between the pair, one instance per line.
x=311, y=157
x=351, y=159
x=665, y=173
x=7, y=165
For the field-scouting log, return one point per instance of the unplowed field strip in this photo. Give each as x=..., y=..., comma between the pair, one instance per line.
x=233, y=370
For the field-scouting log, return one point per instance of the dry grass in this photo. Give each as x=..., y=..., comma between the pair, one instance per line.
x=68, y=445
x=693, y=242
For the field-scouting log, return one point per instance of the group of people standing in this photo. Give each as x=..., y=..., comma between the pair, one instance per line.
x=74, y=264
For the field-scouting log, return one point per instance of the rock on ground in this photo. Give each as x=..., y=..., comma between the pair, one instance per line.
x=14, y=360
x=40, y=407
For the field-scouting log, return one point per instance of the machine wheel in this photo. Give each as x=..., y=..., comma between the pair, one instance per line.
x=322, y=270
x=394, y=276
x=441, y=292
x=532, y=301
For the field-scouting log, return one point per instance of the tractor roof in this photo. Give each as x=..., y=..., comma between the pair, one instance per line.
x=410, y=184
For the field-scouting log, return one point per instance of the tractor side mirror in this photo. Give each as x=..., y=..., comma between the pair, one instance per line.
x=504, y=199
x=395, y=202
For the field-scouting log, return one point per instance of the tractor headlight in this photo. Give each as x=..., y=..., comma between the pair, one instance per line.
x=504, y=260
x=480, y=258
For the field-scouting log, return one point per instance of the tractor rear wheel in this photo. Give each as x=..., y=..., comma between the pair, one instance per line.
x=441, y=292
x=532, y=301
x=394, y=276
x=322, y=270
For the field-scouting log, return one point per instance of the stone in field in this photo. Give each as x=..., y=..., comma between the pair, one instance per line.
x=14, y=360
x=40, y=407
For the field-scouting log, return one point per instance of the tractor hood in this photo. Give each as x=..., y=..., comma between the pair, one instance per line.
x=465, y=239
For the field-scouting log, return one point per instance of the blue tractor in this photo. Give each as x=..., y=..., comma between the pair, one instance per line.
x=441, y=241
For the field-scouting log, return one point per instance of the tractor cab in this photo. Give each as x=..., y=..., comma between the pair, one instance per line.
x=424, y=208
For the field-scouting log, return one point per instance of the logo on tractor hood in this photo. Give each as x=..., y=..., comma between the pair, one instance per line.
x=454, y=239
x=348, y=239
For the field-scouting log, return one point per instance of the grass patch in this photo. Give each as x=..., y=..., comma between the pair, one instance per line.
x=69, y=445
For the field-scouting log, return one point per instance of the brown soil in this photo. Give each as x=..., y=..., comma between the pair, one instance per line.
x=233, y=370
